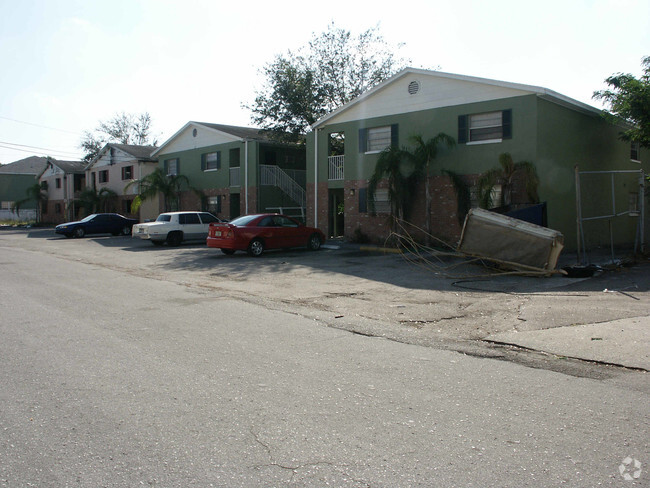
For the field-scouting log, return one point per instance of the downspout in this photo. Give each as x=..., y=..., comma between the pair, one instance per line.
x=316, y=178
x=246, y=176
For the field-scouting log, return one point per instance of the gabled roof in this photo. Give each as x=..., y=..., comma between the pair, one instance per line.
x=141, y=153
x=241, y=133
x=33, y=165
x=68, y=167
x=540, y=91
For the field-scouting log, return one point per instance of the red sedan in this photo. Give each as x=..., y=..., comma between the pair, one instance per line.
x=255, y=233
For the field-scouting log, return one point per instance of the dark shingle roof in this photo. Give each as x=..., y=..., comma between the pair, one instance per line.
x=69, y=167
x=139, y=152
x=242, y=132
x=33, y=165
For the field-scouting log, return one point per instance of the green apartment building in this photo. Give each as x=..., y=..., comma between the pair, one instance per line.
x=239, y=170
x=560, y=136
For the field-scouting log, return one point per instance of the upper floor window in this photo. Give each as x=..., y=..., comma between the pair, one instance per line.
x=171, y=166
x=57, y=183
x=485, y=127
x=211, y=161
x=376, y=139
x=103, y=176
x=635, y=149
x=127, y=172
x=234, y=156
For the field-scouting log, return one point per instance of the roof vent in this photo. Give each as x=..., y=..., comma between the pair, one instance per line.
x=194, y=133
x=414, y=87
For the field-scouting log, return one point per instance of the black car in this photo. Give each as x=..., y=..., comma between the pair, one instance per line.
x=102, y=223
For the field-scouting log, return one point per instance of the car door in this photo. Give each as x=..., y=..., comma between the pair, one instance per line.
x=269, y=229
x=97, y=225
x=290, y=234
x=192, y=226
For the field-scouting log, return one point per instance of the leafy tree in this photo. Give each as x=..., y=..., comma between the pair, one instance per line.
x=332, y=69
x=92, y=200
x=504, y=174
x=123, y=129
x=155, y=183
x=35, y=193
x=629, y=98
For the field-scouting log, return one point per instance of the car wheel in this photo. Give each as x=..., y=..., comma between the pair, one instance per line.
x=228, y=251
x=314, y=242
x=175, y=238
x=79, y=232
x=126, y=230
x=256, y=247
x=157, y=243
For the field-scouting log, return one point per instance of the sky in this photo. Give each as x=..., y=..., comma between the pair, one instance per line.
x=69, y=64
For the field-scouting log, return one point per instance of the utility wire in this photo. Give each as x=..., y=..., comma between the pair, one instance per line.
x=42, y=126
x=42, y=148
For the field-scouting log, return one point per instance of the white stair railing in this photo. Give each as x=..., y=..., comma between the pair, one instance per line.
x=276, y=176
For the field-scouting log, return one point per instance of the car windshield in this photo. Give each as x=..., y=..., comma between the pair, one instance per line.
x=164, y=218
x=89, y=218
x=243, y=220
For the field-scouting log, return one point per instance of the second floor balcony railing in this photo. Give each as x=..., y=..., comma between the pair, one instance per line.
x=335, y=164
x=234, y=176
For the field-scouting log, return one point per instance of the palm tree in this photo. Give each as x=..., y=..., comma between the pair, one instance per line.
x=504, y=174
x=396, y=166
x=155, y=183
x=96, y=201
x=403, y=168
x=34, y=193
x=424, y=154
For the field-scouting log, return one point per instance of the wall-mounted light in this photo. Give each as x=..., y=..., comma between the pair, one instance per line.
x=352, y=192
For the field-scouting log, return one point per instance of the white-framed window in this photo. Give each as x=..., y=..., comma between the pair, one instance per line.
x=485, y=127
x=127, y=172
x=6, y=205
x=211, y=161
x=382, y=201
x=635, y=149
x=378, y=139
x=214, y=204
x=172, y=167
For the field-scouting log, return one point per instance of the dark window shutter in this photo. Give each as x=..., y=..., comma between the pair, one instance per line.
x=202, y=162
x=363, y=140
x=394, y=135
x=363, y=200
x=507, y=124
x=462, y=129
x=219, y=198
x=219, y=167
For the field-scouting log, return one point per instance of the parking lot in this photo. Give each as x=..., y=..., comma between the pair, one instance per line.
x=370, y=293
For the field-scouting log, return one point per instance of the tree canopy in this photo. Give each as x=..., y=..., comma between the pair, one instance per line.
x=333, y=68
x=123, y=128
x=629, y=98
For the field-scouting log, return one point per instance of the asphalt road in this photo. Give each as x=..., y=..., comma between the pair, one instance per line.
x=115, y=378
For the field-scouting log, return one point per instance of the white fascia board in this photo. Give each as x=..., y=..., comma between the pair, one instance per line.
x=540, y=91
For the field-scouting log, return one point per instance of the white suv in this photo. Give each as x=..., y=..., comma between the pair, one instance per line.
x=176, y=227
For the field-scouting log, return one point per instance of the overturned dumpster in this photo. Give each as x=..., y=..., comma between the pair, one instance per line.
x=510, y=242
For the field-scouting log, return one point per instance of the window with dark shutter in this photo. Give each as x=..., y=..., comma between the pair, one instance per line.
x=363, y=200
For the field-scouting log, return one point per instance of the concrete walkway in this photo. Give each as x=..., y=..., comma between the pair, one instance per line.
x=624, y=342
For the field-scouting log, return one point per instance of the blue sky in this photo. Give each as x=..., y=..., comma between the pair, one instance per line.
x=68, y=64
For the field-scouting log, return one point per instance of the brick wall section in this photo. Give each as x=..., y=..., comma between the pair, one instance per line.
x=444, y=210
